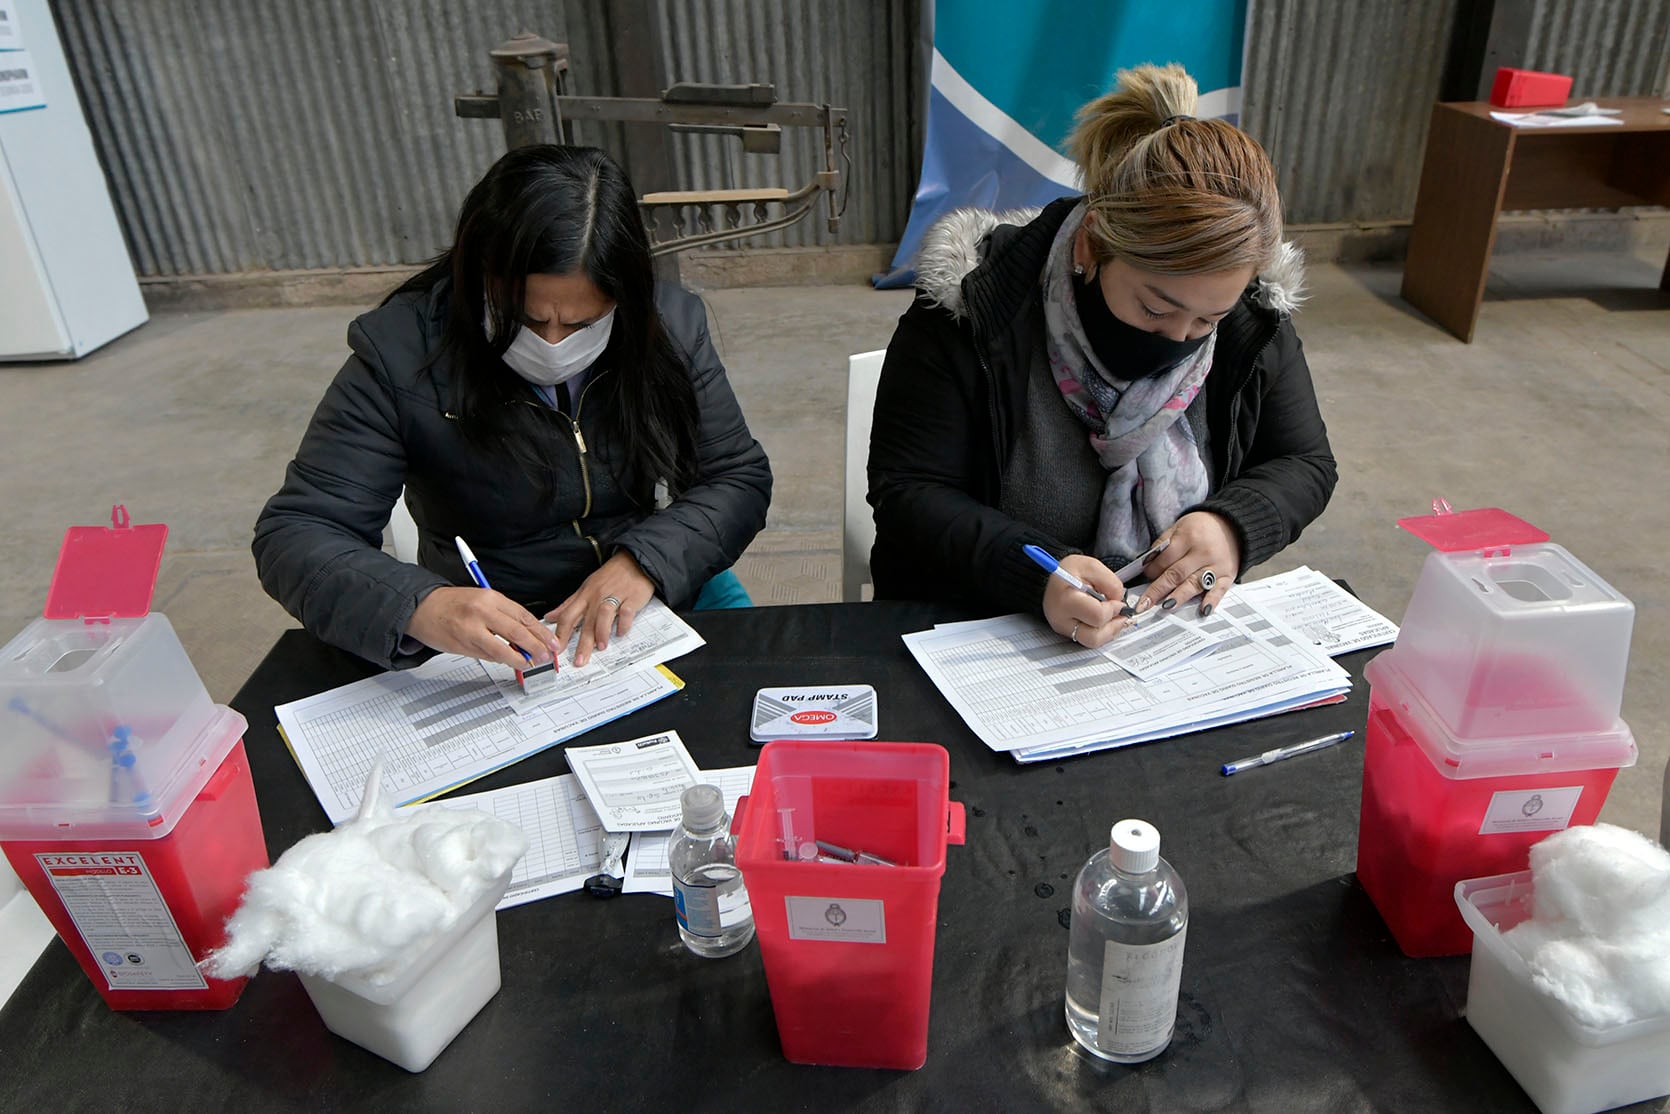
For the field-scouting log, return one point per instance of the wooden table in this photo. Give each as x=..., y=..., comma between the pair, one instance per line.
x=1476, y=167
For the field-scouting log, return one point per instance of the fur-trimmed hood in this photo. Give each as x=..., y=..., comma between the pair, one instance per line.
x=952, y=249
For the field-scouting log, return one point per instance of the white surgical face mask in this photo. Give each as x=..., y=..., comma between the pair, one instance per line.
x=539, y=361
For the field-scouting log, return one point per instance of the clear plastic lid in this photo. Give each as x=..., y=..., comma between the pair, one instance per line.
x=1134, y=846
x=1458, y=757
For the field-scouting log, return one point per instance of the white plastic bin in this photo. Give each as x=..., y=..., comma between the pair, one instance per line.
x=411, y=1020
x=1565, y=1066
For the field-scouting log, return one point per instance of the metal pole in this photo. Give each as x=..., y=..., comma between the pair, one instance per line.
x=635, y=46
x=529, y=70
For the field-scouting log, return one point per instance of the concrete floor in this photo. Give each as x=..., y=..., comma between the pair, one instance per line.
x=1558, y=411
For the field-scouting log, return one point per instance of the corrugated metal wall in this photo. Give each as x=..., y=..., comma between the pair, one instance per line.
x=1340, y=92
x=1611, y=48
x=248, y=135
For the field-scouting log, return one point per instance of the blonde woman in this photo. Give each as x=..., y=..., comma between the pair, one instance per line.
x=1113, y=378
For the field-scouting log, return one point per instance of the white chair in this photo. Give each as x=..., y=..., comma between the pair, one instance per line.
x=402, y=531
x=858, y=527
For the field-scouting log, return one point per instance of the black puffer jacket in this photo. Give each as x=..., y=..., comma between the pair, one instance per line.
x=949, y=406
x=384, y=423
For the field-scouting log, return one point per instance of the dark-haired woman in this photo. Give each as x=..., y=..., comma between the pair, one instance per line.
x=538, y=394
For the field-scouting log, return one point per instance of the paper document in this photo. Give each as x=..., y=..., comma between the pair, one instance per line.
x=1322, y=611
x=1163, y=643
x=1024, y=689
x=565, y=837
x=657, y=636
x=439, y=726
x=646, y=863
x=635, y=786
x=1541, y=120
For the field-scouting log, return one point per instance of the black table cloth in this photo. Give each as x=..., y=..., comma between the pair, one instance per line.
x=1294, y=997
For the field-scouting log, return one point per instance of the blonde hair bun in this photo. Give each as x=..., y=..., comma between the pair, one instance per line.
x=1172, y=194
x=1143, y=99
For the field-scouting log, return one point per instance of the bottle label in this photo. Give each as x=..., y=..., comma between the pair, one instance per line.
x=123, y=920
x=1139, y=995
x=697, y=907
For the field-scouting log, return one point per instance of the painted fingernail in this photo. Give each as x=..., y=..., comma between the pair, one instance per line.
x=1127, y=611
x=1168, y=605
x=1205, y=610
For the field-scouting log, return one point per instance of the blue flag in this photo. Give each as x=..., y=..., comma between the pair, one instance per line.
x=1008, y=75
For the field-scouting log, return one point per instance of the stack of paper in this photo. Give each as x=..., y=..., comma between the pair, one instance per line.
x=452, y=719
x=1025, y=690
x=565, y=831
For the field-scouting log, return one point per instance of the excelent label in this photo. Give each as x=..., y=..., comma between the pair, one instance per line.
x=123, y=920
x=1530, y=810
x=1139, y=995
x=844, y=920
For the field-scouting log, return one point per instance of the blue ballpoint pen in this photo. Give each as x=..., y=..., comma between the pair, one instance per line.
x=480, y=578
x=1050, y=565
x=1280, y=753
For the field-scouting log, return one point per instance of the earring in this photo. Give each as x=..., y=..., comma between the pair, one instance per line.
x=1078, y=270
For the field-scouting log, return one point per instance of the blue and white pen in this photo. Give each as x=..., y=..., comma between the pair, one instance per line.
x=1050, y=565
x=1281, y=753
x=480, y=578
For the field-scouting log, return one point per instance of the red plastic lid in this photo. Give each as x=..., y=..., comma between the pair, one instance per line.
x=1482, y=529
x=106, y=572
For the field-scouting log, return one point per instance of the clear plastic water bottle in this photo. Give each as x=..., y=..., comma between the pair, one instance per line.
x=1125, y=950
x=714, y=917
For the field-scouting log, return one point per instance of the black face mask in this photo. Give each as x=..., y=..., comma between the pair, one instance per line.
x=1125, y=350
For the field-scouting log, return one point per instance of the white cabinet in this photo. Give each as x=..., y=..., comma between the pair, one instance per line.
x=66, y=282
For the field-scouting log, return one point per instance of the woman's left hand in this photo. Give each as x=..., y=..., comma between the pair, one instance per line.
x=604, y=605
x=1203, y=554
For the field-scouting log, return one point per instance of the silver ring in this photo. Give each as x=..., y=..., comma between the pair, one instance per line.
x=1075, y=634
x=1207, y=578
x=613, y=600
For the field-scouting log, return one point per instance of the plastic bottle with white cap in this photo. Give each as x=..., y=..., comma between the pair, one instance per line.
x=710, y=901
x=1125, y=950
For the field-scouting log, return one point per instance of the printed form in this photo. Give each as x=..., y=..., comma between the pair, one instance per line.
x=565, y=837
x=657, y=636
x=1024, y=689
x=647, y=871
x=440, y=726
x=635, y=786
x=1320, y=610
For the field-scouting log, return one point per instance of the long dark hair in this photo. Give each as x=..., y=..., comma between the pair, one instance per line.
x=561, y=211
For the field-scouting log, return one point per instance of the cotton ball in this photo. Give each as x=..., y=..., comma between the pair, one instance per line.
x=1570, y=970
x=480, y=851
x=369, y=897
x=1605, y=879
x=1599, y=937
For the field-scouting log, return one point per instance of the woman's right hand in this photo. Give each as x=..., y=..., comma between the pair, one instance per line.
x=479, y=622
x=1083, y=618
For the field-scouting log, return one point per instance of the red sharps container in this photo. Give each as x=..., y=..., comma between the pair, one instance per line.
x=126, y=805
x=1492, y=722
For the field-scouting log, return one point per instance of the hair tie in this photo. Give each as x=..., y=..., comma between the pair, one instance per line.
x=1170, y=120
